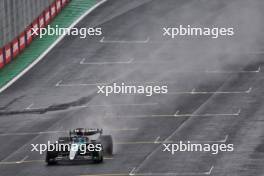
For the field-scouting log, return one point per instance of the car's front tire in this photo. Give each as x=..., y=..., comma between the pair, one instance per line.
x=51, y=157
x=98, y=160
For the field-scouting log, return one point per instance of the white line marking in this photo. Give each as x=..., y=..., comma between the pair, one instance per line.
x=31, y=161
x=237, y=71
x=249, y=90
x=30, y=106
x=123, y=41
x=21, y=161
x=212, y=141
x=132, y=172
x=31, y=133
x=60, y=84
x=103, y=105
x=111, y=105
x=198, y=115
x=177, y=113
x=82, y=61
x=129, y=61
x=167, y=174
x=238, y=112
x=157, y=140
x=122, y=129
x=194, y=92
x=258, y=70
x=50, y=48
x=226, y=138
x=210, y=171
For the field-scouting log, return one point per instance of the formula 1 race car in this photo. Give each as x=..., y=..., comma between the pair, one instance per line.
x=81, y=144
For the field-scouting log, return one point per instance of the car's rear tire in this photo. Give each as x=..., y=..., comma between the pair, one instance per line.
x=51, y=157
x=107, y=143
x=98, y=160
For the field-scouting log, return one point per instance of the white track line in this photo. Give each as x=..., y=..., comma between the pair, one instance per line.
x=198, y=115
x=31, y=161
x=177, y=113
x=50, y=48
x=129, y=61
x=194, y=92
x=23, y=160
x=212, y=141
x=123, y=41
x=226, y=138
x=157, y=140
x=210, y=171
x=30, y=107
x=122, y=129
x=229, y=71
x=31, y=133
x=258, y=70
x=60, y=84
x=132, y=104
x=132, y=172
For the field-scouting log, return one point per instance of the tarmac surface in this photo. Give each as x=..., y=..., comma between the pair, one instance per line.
x=215, y=92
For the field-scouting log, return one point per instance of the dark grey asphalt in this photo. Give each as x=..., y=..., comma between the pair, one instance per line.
x=50, y=97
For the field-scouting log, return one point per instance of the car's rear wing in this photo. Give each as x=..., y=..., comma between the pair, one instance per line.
x=85, y=132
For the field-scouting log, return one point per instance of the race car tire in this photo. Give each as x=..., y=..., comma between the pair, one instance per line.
x=51, y=157
x=107, y=143
x=98, y=160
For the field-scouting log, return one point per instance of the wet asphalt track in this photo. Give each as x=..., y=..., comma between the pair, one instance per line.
x=215, y=92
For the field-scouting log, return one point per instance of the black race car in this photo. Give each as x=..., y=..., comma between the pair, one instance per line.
x=81, y=144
